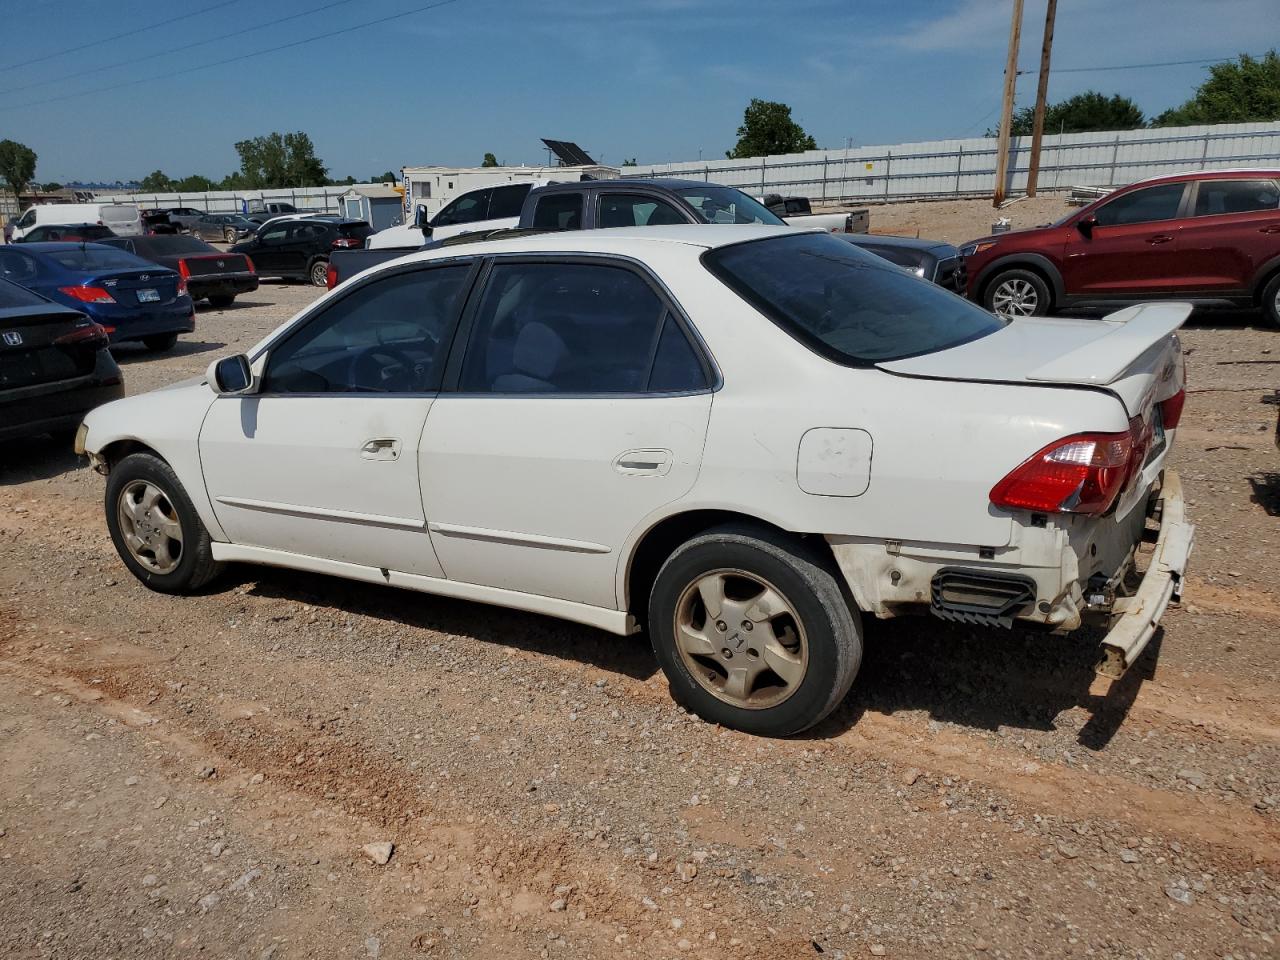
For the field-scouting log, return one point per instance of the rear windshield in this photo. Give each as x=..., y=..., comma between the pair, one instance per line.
x=844, y=303
x=119, y=213
x=360, y=229
x=727, y=205
x=12, y=295
x=97, y=256
x=167, y=246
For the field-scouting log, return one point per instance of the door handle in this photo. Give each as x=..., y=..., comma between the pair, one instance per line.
x=646, y=463
x=1274, y=228
x=1160, y=238
x=381, y=448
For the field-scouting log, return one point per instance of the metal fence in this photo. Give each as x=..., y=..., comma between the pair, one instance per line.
x=964, y=168
x=309, y=199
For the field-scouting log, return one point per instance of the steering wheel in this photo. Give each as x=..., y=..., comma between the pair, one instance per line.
x=385, y=369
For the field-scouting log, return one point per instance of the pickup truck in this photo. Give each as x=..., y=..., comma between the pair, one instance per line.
x=587, y=205
x=798, y=213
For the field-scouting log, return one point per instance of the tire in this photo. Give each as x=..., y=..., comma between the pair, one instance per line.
x=160, y=341
x=1017, y=293
x=167, y=570
x=316, y=273
x=1271, y=301
x=816, y=641
x=228, y=236
x=223, y=301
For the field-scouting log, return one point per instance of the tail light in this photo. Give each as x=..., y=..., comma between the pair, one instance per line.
x=182, y=286
x=249, y=264
x=1083, y=473
x=183, y=269
x=89, y=294
x=330, y=276
x=347, y=243
x=1171, y=409
x=85, y=334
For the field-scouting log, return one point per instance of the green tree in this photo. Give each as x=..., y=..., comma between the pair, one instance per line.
x=389, y=177
x=767, y=129
x=52, y=187
x=17, y=165
x=155, y=182
x=1246, y=90
x=195, y=183
x=630, y=163
x=490, y=161
x=280, y=160
x=1084, y=113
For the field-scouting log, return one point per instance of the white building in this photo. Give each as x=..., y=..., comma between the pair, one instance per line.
x=435, y=186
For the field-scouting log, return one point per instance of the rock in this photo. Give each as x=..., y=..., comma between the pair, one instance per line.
x=373, y=946
x=981, y=945
x=1180, y=894
x=256, y=779
x=206, y=772
x=380, y=852
x=242, y=882
x=878, y=950
x=208, y=902
x=217, y=849
x=150, y=880
x=676, y=923
x=160, y=802
x=1193, y=777
x=557, y=905
x=686, y=871
x=1068, y=851
x=1129, y=856
x=910, y=777
x=683, y=944
x=130, y=781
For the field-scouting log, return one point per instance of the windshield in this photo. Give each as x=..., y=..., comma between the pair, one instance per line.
x=844, y=303
x=12, y=295
x=726, y=205
x=97, y=256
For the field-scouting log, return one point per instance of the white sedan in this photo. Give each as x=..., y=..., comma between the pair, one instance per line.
x=742, y=439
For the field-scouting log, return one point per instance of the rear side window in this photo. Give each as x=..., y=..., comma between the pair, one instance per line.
x=507, y=201
x=560, y=211
x=636, y=210
x=844, y=303
x=1142, y=206
x=17, y=267
x=1216, y=197
x=575, y=328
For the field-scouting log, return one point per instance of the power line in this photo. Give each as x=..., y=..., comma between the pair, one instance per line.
x=1136, y=66
x=120, y=36
x=189, y=46
x=238, y=59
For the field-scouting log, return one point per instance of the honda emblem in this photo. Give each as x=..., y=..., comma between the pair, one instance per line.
x=12, y=338
x=144, y=277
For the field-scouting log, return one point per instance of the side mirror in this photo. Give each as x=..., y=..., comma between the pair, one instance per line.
x=231, y=376
x=422, y=220
x=1086, y=224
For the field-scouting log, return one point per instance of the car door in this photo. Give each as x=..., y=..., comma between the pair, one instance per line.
x=323, y=460
x=1132, y=247
x=303, y=241
x=1234, y=227
x=268, y=252
x=579, y=409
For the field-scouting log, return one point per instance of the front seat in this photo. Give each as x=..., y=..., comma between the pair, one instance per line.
x=539, y=354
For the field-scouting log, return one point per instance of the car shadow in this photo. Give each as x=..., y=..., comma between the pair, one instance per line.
x=988, y=679
x=43, y=457
x=1266, y=492
x=126, y=353
x=240, y=302
x=528, y=632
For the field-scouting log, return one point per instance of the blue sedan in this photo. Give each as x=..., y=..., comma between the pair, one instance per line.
x=132, y=298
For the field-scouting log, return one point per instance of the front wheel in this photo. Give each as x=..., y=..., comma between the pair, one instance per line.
x=1271, y=301
x=228, y=236
x=1018, y=293
x=155, y=527
x=754, y=631
x=318, y=273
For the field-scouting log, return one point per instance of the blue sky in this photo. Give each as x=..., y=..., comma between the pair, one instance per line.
x=659, y=80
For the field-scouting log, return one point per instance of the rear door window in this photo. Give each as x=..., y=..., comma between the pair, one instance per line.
x=636, y=210
x=468, y=208
x=1142, y=206
x=558, y=211
x=1216, y=197
x=507, y=201
x=844, y=303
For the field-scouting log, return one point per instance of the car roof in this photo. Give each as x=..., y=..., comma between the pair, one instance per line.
x=704, y=236
x=1228, y=173
x=881, y=240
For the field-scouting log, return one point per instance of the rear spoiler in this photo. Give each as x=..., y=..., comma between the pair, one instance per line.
x=1137, y=329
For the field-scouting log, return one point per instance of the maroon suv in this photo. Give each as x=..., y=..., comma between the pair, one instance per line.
x=1212, y=238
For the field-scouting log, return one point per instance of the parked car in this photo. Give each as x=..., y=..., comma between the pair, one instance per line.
x=1210, y=237
x=227, y=227
x=209, y=272
x=798, y=212
x=54, y=365
x=260, y=212
x=931, y=259
x=299, y=248
x=494, y=207
x=124, y=219
x=133, y=300
x=72, y=232
x=184, y=218
x=573, y=462
x=157, y=222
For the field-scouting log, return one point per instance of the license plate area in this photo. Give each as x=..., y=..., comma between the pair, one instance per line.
x=1158, y=439
x=148, y=295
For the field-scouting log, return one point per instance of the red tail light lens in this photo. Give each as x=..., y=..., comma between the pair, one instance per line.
x=1171, y=409
x=347, y=243
x=1080, y=474
x=330, y=276
x=183, y=269
x=249, y=265
x=84, y=334
x=89, y=294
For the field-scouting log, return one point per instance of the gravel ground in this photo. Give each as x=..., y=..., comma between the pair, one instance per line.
x=201, y=776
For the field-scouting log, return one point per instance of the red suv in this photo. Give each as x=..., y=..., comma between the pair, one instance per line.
x=1212, y=238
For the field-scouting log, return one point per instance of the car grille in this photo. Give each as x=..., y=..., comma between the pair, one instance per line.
x=951, y=274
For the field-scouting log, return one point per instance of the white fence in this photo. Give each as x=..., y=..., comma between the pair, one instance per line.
x=310, y=199
x=965, y=168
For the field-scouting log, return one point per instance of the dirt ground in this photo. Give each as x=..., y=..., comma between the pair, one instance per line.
x=196, y=777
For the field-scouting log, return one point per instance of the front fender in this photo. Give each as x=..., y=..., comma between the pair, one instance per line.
x=1036, y=260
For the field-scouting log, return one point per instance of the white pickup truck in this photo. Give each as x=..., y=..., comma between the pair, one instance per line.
x=798, y=212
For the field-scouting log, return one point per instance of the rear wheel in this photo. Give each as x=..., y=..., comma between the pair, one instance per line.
x=754, y=631
x=228, y=235
x=155, y=527
x=1018, y=293
x=222, y=301
x=160, y=341
x=317, y=273
x=1271, y=301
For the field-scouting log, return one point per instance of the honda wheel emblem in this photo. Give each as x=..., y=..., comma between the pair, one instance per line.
x=13, y=338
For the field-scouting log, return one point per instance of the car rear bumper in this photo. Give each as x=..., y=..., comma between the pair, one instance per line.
x=1137, y=617
x=46, y=407
x=126, y=326
x=222, y=286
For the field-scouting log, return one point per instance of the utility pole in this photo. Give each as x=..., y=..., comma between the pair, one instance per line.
x=1006, y=107
x=1042, y=92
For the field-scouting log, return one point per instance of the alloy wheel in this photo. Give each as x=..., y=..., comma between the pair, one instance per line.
x=150, y=527
x=1015, y=297
x=741, y=639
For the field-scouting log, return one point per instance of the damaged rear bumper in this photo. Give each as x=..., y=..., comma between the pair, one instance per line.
x=1137, y=617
